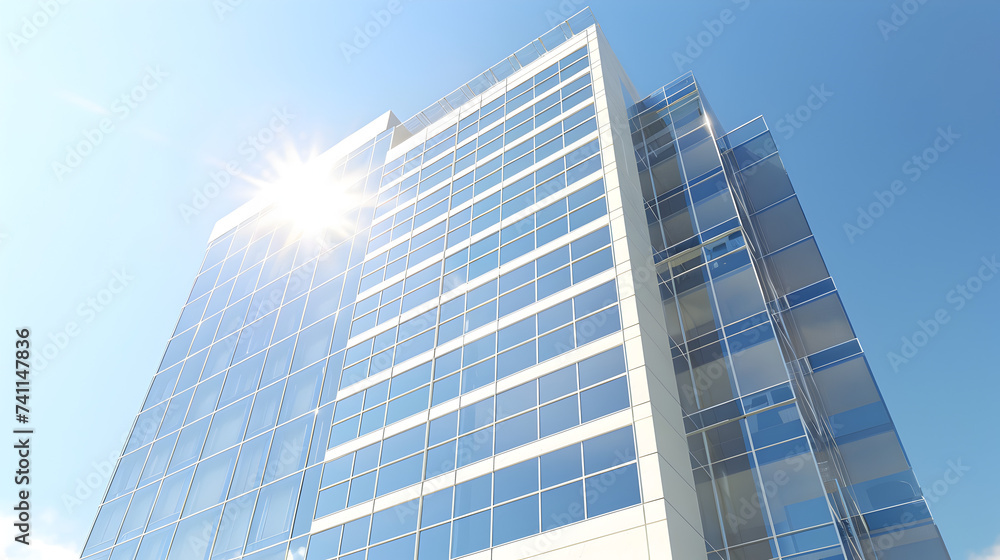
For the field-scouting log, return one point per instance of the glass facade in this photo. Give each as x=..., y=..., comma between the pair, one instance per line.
x=466, y=364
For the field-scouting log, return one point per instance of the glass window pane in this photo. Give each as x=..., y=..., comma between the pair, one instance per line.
x=194, y=536
x=168, y=503
x=470, y=534
x=154, y=545
x=288, y=450
x=562, y=505
x=515, y=481
x=138, y=512
x=228, y=426
x=436, y=507
x=106, y=526
x=558, y=416
x=211, y=482
x=272, y=519
x=612, y=490
x=473, y=495
x=608, y=450
x=393, y=522
x=604, y=399
x=515, y=520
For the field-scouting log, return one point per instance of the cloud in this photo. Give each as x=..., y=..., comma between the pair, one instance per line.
x=992, y=553
x=42, y=547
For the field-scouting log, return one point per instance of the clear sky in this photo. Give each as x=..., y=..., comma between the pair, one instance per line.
x=114, y=116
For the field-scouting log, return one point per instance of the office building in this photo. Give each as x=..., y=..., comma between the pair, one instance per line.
x=543, y=318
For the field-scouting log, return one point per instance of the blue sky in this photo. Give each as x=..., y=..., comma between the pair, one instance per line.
x=115, y=115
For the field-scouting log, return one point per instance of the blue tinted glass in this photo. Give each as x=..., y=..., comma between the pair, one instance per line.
x=372, y=420
x=470, y=534
x=434, y=543
x=603, y=399
x=154, y=545
x=475, y=416
x=445, y=389
x=399, y=548
x=348, y=406
x=516, y=359
x=593, y=264
x=475, y=447
x=332, y=499
x=515, y=520
x=553, y=283
x=479, y=349
x=560, y=466
x=443, y=428
x=407, y=405
x=288, y=448
x=515, y=334
x=613, y=490
x=558, y=416
x=324, y=545
x=478, y=375
x=597, y=298
x=436, y=507
x=608, y=450
x=301, y=392
x=403, y=444
x=362, y=489
x=562, y=505
x=400, y=475
x=376, y=394
x=355, y=535
x=449, y=363
x=555, y=316
x=598, y=325
x=516, y=400
x=344, y=432
x=557, y=384
x=473, y=495
x=441, y=459
x=553, y=260
x=211, y=482
x=250, y=466
x=227, y=428
x=410, y=380
x=516, y=431
x=189, y=445
x=602, y=366
x=555, y=343
x=393, y=522
x=272, y=520
x=515, y=481
x=366, y=458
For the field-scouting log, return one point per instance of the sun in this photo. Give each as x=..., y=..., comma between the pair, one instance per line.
x=304, y=192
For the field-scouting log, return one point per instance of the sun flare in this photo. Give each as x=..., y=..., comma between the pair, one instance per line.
x=305, y=192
